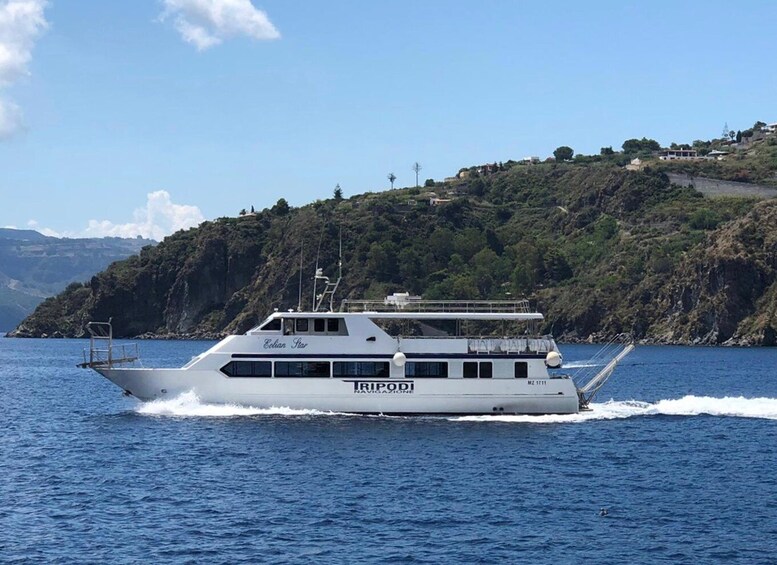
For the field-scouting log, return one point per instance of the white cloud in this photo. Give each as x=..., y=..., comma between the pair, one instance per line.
x=206, y=23
x=159, y=218
x=21, y=23
x=34, y=225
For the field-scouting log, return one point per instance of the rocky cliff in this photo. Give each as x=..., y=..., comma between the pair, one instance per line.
x=725, y=291
x=601, y=250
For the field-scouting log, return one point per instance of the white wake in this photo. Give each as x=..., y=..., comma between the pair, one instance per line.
x=736, y=407
x=187, y=404
x=582, y=364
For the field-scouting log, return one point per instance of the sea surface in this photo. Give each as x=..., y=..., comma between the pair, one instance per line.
x=680, y=449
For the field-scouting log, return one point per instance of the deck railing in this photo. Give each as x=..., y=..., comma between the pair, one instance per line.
x=409, y=304
x=510, y=345
x=495, y=345
x=102, y=353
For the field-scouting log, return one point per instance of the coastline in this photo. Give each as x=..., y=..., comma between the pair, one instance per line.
x=594, y=339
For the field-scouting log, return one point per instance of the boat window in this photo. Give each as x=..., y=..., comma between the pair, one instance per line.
x=332, y=325
x=288, y=326
x=301, y=325
x=426, y=369
x=360, y=369
x=302, y=369
x=521, y=370
x=271, y=326
x=318, y=325
x=247, y=369
x=473, y=369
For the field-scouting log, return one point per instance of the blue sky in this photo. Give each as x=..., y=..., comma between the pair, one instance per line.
x=122, y=122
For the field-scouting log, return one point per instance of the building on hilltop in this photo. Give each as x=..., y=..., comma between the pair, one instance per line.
x=435, y=200
x=488, y=169
x=770, y=128
x=678, y=154
x=530, y=160
x=636, y=165
x=716, y=155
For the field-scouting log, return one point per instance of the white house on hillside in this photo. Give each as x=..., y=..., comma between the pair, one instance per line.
x=717, y=155
x=635, y=165
x=675, y=154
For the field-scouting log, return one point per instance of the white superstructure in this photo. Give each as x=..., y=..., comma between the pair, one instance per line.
x=363, y=359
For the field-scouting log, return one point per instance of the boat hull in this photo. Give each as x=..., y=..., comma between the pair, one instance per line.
x=356, y=395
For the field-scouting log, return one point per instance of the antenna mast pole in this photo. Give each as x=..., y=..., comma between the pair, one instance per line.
x=299, y=303
x=316, y=273
x=340, y=257
x=329, y=287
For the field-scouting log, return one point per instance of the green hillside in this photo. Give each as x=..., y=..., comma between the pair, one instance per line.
x=599, y=249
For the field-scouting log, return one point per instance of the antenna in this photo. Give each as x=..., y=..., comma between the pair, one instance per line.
x=340, y=258
x=299, y=302
x=417, y=167
x=329, y=287
x=317, y=272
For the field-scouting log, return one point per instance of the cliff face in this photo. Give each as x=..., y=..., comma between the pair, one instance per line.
x=725, y=291
x=599, y=249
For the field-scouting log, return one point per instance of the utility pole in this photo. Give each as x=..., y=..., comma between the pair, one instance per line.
x=416, y=167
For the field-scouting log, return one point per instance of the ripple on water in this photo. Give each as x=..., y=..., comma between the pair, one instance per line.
x=681, y=464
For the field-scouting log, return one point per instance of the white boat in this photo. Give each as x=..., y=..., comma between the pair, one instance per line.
x=368, y=358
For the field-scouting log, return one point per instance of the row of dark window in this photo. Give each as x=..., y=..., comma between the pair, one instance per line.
x=371, y=369
x=304, y=325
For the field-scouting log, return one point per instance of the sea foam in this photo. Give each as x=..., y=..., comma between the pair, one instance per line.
x=188, y=405
x=737, y=407
x=582, y=364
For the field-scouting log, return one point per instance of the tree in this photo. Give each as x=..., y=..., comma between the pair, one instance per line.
x=429, y=182
x=638, y=145
x=606, y=151
x=563, y=153
x=704, y=219
x=243, y=212
x=477, y=187
x=281, y=207
x=416, y=167
x=391, y=177
x=338, y=192
x=739, y=136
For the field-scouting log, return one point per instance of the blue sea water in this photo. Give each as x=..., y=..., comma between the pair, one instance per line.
x=680, y=449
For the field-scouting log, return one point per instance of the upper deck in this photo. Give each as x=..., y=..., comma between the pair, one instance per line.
x=404, y=306
x=360, y=316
